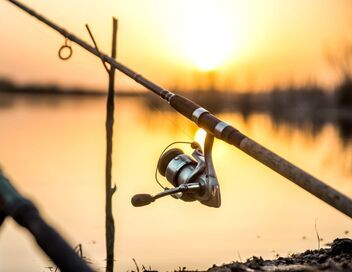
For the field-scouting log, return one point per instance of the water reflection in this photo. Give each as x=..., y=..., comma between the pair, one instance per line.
x=55, y=155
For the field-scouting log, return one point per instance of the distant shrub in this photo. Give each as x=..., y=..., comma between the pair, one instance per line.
x=343, y=93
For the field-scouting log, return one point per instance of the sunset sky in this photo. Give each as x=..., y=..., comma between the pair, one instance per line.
x=252, y=44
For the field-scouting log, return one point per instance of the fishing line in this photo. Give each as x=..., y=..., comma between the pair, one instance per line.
x=173, y=143
x=172, y=121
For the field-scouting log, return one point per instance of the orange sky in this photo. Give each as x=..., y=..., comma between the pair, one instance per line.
x=250, y=44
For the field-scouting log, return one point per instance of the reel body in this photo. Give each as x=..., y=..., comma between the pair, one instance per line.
x=193, y=178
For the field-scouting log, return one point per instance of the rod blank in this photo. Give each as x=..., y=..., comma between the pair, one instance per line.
x=298, y=176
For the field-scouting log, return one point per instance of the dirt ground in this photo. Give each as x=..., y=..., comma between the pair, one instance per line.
x=336, y=257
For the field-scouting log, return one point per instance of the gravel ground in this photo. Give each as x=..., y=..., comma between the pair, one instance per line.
x=337, y=257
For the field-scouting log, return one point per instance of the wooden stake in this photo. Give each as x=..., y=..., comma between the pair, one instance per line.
x=109, y=219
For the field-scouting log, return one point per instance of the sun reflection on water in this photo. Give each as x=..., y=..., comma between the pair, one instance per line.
x=199, y=136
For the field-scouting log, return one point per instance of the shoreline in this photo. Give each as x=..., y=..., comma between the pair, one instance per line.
x=336, y=257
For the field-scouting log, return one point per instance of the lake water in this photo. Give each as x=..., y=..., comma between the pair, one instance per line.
x=53, y=149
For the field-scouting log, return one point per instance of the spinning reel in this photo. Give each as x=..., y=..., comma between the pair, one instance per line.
x=193, y=178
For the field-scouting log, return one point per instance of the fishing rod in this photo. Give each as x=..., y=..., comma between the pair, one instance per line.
x=26, y=214
x=215, y=128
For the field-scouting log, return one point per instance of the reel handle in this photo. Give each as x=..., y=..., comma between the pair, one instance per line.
x=140, y=200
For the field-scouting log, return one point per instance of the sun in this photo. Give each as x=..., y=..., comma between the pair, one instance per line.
x=206, y=39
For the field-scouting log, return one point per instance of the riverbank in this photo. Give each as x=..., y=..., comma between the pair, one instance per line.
x=336, y=257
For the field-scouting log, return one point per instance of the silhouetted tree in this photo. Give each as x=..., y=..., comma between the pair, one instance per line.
x=343, y=64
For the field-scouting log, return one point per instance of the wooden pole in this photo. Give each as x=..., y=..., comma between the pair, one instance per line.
x=109, y=219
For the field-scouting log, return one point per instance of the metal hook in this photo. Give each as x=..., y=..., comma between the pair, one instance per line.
x=63, y=48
